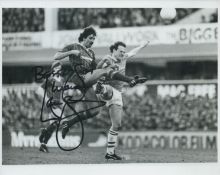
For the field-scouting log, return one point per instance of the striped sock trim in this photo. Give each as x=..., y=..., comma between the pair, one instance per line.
x=112, y=141
x=113, y=132
x=111, y=146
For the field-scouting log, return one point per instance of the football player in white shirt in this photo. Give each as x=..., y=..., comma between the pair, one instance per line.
x=117, y=59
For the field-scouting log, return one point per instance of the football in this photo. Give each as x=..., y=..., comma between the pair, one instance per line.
x=168, y=13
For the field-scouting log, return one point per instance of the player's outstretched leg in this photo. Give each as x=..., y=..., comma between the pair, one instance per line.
x=84, y=106
x=132, y=81
x=81, y=117
x=92, y=78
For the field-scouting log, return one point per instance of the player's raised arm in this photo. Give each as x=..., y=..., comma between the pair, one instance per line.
x=134, y=51
x=62, y=55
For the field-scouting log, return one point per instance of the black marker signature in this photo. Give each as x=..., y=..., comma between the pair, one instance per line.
x=52, y=104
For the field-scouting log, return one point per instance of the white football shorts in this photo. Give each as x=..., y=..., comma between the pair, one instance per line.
x=116, y=98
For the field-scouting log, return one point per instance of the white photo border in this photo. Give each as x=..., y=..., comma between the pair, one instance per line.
x=109, y=169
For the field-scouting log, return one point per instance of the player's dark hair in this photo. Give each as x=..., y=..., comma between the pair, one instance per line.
x=86, y=32
x=115, y=46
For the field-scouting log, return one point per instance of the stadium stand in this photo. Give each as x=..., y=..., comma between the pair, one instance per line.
x=181, y=113
x=22, y=20
x=32, y=20
x=17, y=116
x=107, y=18
x=171, y=113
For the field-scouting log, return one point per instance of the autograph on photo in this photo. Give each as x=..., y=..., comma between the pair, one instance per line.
x=67, y=100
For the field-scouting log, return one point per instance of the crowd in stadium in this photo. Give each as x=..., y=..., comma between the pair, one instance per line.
x=25, y=116
x=107, y=18
x=22, y=20
x=170, y=113
x=181, y=113
x=32, y=19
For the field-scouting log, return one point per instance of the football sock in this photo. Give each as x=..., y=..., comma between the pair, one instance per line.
x=112, y=141
x=121, y=77
x=49, y=131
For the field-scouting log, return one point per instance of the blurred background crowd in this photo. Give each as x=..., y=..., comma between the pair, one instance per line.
x=181, y=113
x=107, y=18
x=22, y=20
x=29, y=19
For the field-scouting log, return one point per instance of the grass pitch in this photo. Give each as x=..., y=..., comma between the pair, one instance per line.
x=86, y=155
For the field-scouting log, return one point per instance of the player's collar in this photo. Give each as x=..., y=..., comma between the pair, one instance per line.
x=87, y=49
x=83, y=46
x=115, y=59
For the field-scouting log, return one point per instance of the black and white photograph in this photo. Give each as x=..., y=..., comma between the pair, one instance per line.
x=109, y=85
